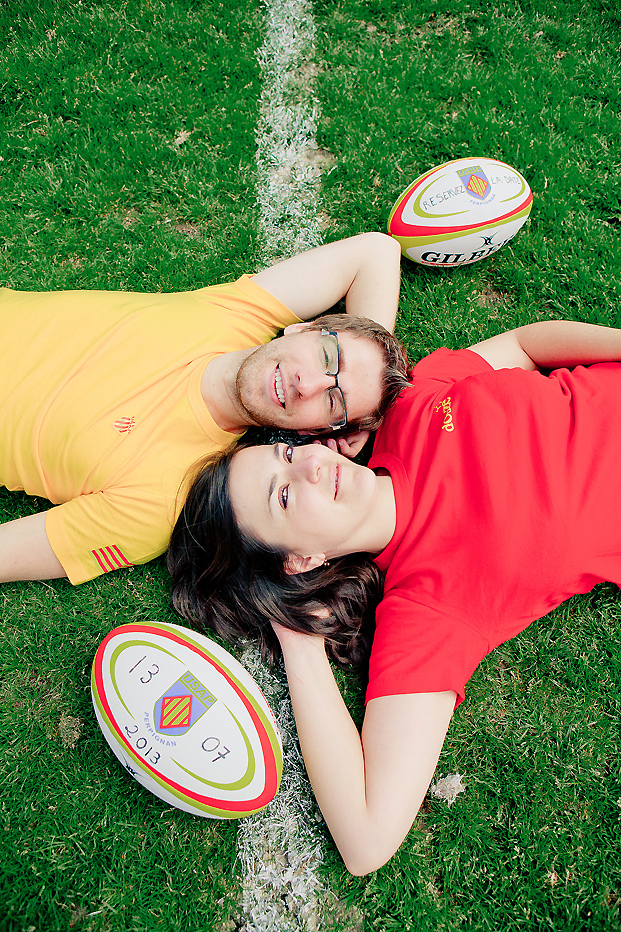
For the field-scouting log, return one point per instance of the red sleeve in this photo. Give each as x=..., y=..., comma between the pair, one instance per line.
x=417, y=649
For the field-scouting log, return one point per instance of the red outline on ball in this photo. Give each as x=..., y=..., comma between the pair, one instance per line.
x=271, y=771
x=399, y=228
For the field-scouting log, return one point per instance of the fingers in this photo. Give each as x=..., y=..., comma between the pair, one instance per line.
x=353, y=443
x=329, y=442
x=349, y=445
x=289, y=638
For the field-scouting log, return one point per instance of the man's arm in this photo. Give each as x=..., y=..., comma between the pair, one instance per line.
x=25, y=552
x=363, y=269
x=551, y=344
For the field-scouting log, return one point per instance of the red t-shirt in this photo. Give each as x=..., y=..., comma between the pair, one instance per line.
x=508, y=496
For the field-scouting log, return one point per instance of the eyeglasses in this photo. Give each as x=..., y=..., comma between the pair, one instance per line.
x=330, y=362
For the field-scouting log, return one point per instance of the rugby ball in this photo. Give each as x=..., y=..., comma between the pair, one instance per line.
x=460, y=212
x=186, y=720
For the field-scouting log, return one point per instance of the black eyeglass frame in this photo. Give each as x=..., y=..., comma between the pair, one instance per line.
x=336, y=391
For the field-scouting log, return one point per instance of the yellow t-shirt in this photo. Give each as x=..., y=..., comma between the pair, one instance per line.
x=101, y=410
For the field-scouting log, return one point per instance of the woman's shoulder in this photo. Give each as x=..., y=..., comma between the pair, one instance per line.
x=448, y=366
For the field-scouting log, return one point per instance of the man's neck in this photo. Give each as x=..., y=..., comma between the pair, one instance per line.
x=219, y=391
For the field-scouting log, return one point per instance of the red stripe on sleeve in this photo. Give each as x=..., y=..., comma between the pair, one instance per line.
x=119, y=552
x=111, y=558
x=111, y=555
x=100, y=561
x=105, y=557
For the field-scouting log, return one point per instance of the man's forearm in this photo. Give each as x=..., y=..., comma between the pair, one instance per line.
x=365, y=270
x=374, y=292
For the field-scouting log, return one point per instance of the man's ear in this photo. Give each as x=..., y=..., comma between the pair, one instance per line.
x=297, y=564
x=295, y=328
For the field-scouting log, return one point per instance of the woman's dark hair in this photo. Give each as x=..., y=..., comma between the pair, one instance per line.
x=235, y=585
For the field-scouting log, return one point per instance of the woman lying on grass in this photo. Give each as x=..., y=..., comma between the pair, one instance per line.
x=493, y=494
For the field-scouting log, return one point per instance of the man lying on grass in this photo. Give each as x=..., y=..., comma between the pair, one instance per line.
x=107, y=398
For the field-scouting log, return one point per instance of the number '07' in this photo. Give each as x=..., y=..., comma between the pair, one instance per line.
x=212, y=744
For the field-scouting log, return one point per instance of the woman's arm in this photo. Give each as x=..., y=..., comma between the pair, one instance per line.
x=551, y=344
x=369, y=789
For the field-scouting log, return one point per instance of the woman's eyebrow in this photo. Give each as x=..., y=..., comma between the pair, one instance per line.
x=272, y=486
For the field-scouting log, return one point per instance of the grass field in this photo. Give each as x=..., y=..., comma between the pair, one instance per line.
x=128, y=162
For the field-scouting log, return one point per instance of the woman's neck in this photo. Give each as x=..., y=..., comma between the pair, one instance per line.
x=386, y=511
x=376, y=532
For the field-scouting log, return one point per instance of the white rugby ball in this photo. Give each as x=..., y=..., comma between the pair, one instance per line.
x=460, y=212
x=186, y=720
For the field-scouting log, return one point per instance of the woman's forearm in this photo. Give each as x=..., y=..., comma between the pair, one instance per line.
x=369, y=790
x=555, y=343
x=330, y=744
x=552, y=344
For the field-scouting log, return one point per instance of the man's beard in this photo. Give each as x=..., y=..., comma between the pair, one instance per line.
x=248, y=375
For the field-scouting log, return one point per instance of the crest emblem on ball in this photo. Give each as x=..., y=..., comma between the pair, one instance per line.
x=181, y=705
x=475, y=181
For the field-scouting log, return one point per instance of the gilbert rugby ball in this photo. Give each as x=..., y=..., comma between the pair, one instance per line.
x=460, y=212
x=186, y=720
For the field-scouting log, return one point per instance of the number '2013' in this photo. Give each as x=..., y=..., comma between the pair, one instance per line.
x=141, y=743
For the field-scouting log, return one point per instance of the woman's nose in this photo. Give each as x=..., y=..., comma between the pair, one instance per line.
x=310, y=467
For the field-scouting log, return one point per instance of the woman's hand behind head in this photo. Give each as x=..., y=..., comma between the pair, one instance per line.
x=291, y=640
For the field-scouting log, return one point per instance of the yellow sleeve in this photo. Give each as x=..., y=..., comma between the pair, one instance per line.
x=95, y=534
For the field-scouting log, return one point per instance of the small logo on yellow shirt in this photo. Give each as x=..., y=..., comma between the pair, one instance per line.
x=125, y=425
x=448, y=416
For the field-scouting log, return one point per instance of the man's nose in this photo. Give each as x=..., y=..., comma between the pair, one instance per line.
x=313, y=382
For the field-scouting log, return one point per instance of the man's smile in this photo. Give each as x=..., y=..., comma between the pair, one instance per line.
x=278, y=387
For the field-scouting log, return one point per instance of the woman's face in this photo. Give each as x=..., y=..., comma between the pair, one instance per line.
x=306, y=499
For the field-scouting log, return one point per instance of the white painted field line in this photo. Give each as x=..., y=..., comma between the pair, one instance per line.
x=286, y=143
x=280, y=847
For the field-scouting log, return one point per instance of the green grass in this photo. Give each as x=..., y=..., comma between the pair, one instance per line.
x=127, y=163
x=102, y=188
x=128, y=155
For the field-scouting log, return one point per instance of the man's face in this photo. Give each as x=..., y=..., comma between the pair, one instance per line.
x=283, y=383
